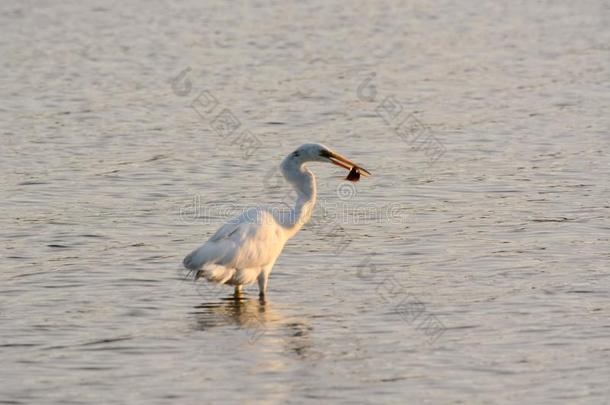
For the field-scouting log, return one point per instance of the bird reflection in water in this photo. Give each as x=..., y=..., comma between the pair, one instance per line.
x=252, y=315
x=257, y=318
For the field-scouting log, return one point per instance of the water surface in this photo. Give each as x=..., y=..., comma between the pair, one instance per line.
x=471, y=268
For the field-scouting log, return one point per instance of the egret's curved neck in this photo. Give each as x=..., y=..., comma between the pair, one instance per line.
x=304, y=183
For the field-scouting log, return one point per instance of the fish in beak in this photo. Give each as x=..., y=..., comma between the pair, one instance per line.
x=341, y=161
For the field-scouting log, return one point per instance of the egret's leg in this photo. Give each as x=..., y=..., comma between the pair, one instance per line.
x=238, y=289
x=262, y=283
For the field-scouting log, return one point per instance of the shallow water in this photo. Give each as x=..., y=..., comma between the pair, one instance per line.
x=471, y=268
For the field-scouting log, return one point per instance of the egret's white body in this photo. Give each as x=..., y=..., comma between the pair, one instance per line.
x=245, y=249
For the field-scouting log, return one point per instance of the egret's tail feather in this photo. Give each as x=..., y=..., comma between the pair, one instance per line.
x=245, y=276
x=216, y=274
x=190, y=263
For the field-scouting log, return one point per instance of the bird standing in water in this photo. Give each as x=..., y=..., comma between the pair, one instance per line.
x=245, y=249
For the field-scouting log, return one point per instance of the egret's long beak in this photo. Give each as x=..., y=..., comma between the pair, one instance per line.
x=345, y=163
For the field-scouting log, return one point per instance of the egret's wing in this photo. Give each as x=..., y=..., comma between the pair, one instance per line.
x=227, y=229
x=252, y=240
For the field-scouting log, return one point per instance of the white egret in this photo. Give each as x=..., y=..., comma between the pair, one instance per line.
x=244, y=249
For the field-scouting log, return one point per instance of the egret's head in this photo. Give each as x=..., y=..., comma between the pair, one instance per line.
x=315, y=152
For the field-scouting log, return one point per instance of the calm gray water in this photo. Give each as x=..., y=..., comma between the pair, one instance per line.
x=471, y=268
